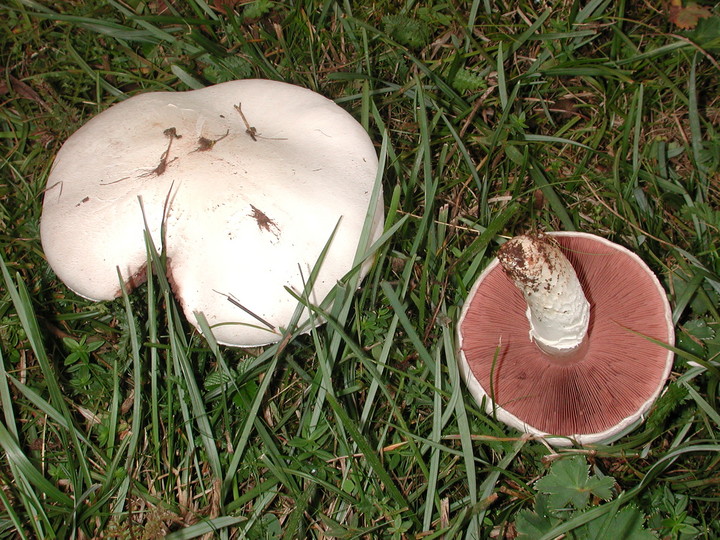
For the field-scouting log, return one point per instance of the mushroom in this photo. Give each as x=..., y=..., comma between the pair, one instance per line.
x=564, y=336
x=243, y=183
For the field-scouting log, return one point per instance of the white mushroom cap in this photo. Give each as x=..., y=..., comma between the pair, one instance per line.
x=247, y=212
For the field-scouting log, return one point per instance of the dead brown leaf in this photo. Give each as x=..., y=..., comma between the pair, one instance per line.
x=686, y=17
x=21, y=89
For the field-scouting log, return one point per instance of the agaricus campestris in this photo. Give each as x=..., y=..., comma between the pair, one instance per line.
x=246, y=181
x=562, y=337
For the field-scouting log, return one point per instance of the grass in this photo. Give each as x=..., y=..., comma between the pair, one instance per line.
x=119, y=421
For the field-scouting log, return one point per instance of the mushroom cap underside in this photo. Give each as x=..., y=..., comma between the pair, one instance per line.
x=245, y=213
x=624, y=368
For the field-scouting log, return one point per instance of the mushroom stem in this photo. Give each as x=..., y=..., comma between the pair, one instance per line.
x=558, y=311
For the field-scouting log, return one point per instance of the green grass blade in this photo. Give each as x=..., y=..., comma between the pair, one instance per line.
x=370, y=455
x=15, y=455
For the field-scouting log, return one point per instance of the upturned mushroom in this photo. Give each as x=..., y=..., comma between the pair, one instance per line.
x=243, y=183
x=565, y=336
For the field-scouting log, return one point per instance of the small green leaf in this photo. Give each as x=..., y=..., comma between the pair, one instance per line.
x=410, y=32
x=514, y=154
x=627, y=524
x=468, y=80
x=674, y=395
x=257, y=9
x=215, y=380
x=707, y=34
x=94, y=345
x=71, y=359
x=535, y=523
x=699, y=329
x=71, y=344
x=568, y=482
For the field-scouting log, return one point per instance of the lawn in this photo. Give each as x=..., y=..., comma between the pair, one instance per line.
x=120, y=420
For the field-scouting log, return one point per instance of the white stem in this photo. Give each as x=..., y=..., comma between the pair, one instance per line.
x=558, y=311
